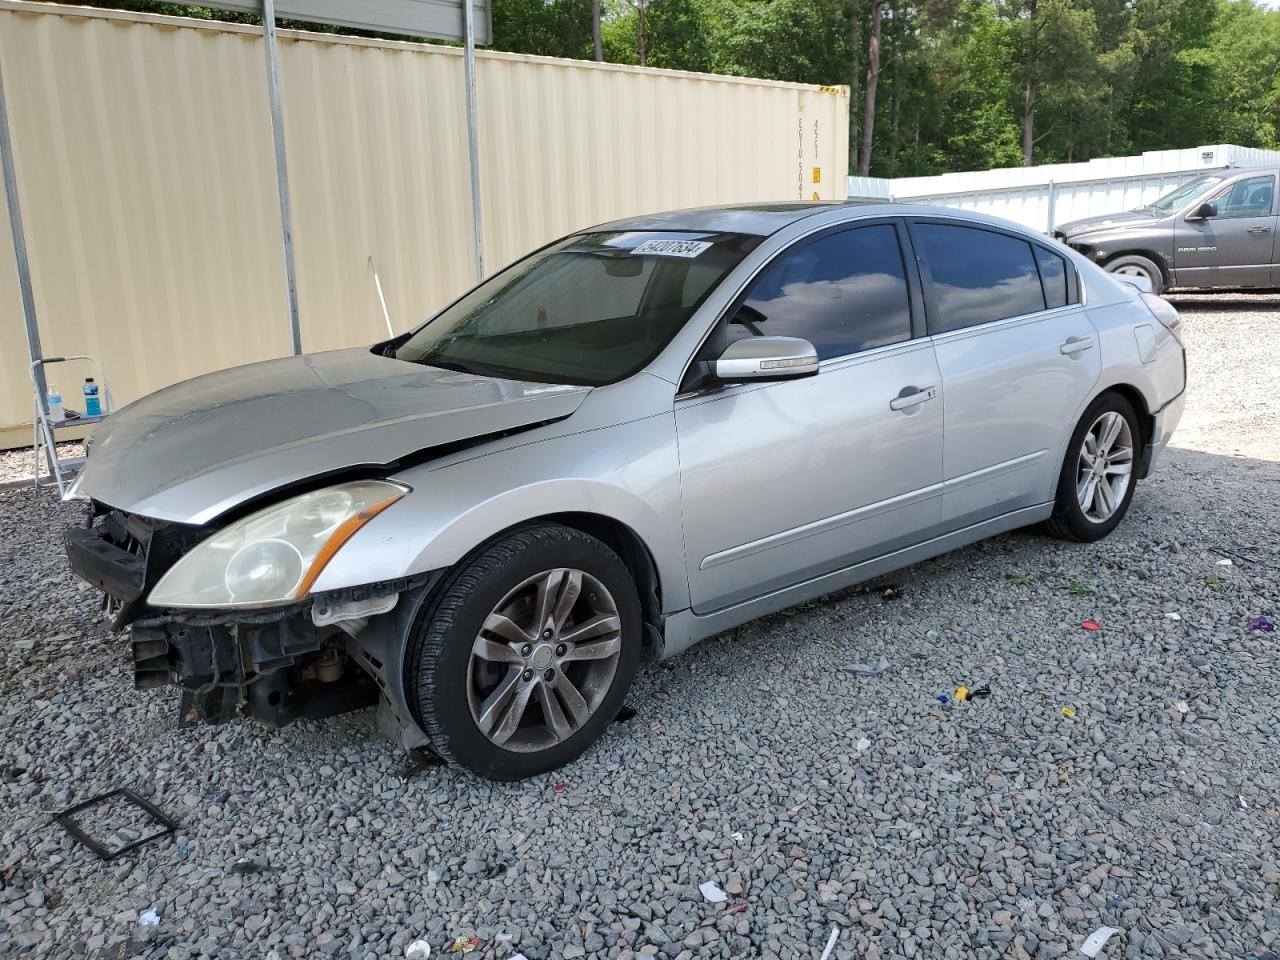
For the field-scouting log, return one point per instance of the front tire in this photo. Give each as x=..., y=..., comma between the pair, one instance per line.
x=1096, y=483
x=526, y=653
x=1135, y=265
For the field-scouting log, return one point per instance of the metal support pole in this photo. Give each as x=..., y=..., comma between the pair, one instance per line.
x=282, y=170
x=473, y=132
x=20, y=250
x=1053, y=204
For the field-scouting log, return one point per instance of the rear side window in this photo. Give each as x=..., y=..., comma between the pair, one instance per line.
x=844, y=292
x=976, y=276
x=1053, y=277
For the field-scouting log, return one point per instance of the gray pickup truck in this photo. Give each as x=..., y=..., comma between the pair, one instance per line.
x=1216, y=232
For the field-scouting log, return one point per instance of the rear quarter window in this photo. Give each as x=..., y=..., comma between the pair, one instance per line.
x=1053, y=277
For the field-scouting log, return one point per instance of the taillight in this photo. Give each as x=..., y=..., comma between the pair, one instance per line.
x=1164, y=311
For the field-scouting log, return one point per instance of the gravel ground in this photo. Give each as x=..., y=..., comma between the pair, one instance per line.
x=817, y=799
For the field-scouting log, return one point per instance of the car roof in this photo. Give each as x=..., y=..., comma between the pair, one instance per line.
x=764, y=219
x=1245, y=171
x=756, y=218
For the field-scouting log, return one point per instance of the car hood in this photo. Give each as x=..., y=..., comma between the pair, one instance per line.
x=1111, y=221
x=190, y=452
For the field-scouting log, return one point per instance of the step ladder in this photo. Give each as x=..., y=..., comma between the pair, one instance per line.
x=44, y=427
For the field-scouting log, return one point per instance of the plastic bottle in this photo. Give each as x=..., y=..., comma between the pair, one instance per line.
x=54, y=400
x=92, y=405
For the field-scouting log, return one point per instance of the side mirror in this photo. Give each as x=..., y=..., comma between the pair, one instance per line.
x=1205, y=211
x=766, y=358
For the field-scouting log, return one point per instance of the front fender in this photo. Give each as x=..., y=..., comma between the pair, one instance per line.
x=628, y=473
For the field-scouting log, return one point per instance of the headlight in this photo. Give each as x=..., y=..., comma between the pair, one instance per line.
x=275, y=555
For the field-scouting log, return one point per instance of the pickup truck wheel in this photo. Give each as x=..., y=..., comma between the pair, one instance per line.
x=1133, y=265
x=1097, y=482
x=526, y=653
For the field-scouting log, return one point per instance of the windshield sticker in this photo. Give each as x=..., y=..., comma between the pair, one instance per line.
x=672, y=248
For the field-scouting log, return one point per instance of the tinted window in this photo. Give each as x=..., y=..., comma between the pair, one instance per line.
x=1053, y=277
x=977, y=276
x=1248, y=198
x=844, y=292
x=592, y=309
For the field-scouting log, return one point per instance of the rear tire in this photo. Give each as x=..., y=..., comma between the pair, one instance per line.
x=1097, y=479
x=526, y=652
x=1135, y=265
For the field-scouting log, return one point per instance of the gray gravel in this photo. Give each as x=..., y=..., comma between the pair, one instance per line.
x=998, y=827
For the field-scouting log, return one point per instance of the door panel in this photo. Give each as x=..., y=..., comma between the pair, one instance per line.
x=788, y=480
x=1234, y=248
x=1013, y=390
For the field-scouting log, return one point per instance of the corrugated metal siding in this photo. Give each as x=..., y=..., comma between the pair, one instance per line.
x=1063, y=192
x=143, y=153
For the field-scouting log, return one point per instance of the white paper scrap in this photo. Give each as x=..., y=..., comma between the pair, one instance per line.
x=418, y=950
x=1094, y=943
x=831, y=943
x=713, y=893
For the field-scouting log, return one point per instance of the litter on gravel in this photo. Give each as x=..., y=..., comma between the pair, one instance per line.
x=1091, y=625
x=831, y=943
x=867, y=669
x=1262, y=624
x=712, y=893
x=1094, y=943
x=149, y=918
x=418, y=950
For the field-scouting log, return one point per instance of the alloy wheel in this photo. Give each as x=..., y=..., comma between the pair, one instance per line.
x=1105, y=467
x=544, y=660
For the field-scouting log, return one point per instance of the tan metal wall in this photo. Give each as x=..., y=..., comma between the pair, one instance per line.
x=144, y=162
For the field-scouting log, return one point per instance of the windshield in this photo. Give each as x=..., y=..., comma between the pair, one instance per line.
x=1179, y=198
x=591, y=309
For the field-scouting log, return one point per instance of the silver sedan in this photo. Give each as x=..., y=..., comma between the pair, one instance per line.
x=636, y=437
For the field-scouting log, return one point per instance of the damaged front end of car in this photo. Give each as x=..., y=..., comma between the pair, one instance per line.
x=312, y=655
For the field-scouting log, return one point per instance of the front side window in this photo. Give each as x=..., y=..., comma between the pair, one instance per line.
x=1178, y=198
x=843, y=292
x=976, y=276
x=591, y=309
x=1248, y=198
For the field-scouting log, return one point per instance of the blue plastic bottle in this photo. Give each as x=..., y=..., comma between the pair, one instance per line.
x=92, y=405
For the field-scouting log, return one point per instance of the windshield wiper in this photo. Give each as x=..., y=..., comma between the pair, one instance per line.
x=453, y=365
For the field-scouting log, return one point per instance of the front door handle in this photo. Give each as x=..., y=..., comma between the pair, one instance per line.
x=1076, y=345
x=908, y=400
x=1259, y=231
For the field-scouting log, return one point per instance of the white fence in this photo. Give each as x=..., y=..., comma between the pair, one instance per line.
x=1045, y=196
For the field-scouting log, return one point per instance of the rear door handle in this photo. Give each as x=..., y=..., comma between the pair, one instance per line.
x=1076, y=345
x=907, y=401
x=1259, y=231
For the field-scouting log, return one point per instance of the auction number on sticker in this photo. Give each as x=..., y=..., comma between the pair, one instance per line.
x=672, y=248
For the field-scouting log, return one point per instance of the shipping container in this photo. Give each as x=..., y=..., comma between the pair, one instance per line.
x=146, y=178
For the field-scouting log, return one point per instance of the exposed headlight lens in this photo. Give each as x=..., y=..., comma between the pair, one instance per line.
x=275, y=555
